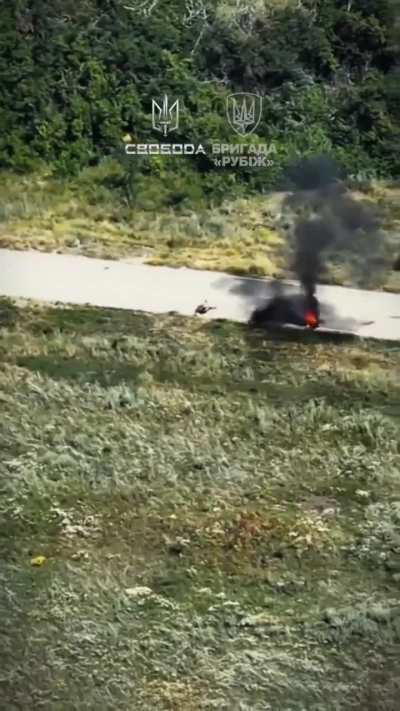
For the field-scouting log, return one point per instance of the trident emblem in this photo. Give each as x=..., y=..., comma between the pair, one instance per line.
x=244, y=112
x=165, y=118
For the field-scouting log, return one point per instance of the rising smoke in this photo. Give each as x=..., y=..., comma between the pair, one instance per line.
x=329, y=226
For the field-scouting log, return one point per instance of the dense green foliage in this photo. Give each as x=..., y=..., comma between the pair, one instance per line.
x=75, y=77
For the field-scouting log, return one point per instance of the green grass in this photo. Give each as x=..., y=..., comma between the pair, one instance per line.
x=218, y=510
x=244, y=235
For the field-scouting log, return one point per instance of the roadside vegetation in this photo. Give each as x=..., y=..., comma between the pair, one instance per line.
x=79, y=78
x=195, y=515
x=240, y=234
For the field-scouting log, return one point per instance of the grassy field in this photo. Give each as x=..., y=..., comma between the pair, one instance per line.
x=196, y=516
x=246, y=236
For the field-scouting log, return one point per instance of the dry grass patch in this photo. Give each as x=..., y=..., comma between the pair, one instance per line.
x=241, y=236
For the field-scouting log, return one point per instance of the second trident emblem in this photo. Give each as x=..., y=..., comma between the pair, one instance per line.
x=244, y=112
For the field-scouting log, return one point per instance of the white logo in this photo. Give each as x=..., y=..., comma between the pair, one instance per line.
x=165, y=118
x=164, y=149
x=244, y=112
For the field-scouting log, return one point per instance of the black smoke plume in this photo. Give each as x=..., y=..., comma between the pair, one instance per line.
x=327, y=223
x=330, y=224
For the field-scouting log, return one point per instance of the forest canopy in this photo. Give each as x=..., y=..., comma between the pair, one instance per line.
x=76, y=77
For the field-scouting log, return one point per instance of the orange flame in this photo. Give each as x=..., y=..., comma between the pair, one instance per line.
x=311, y=319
